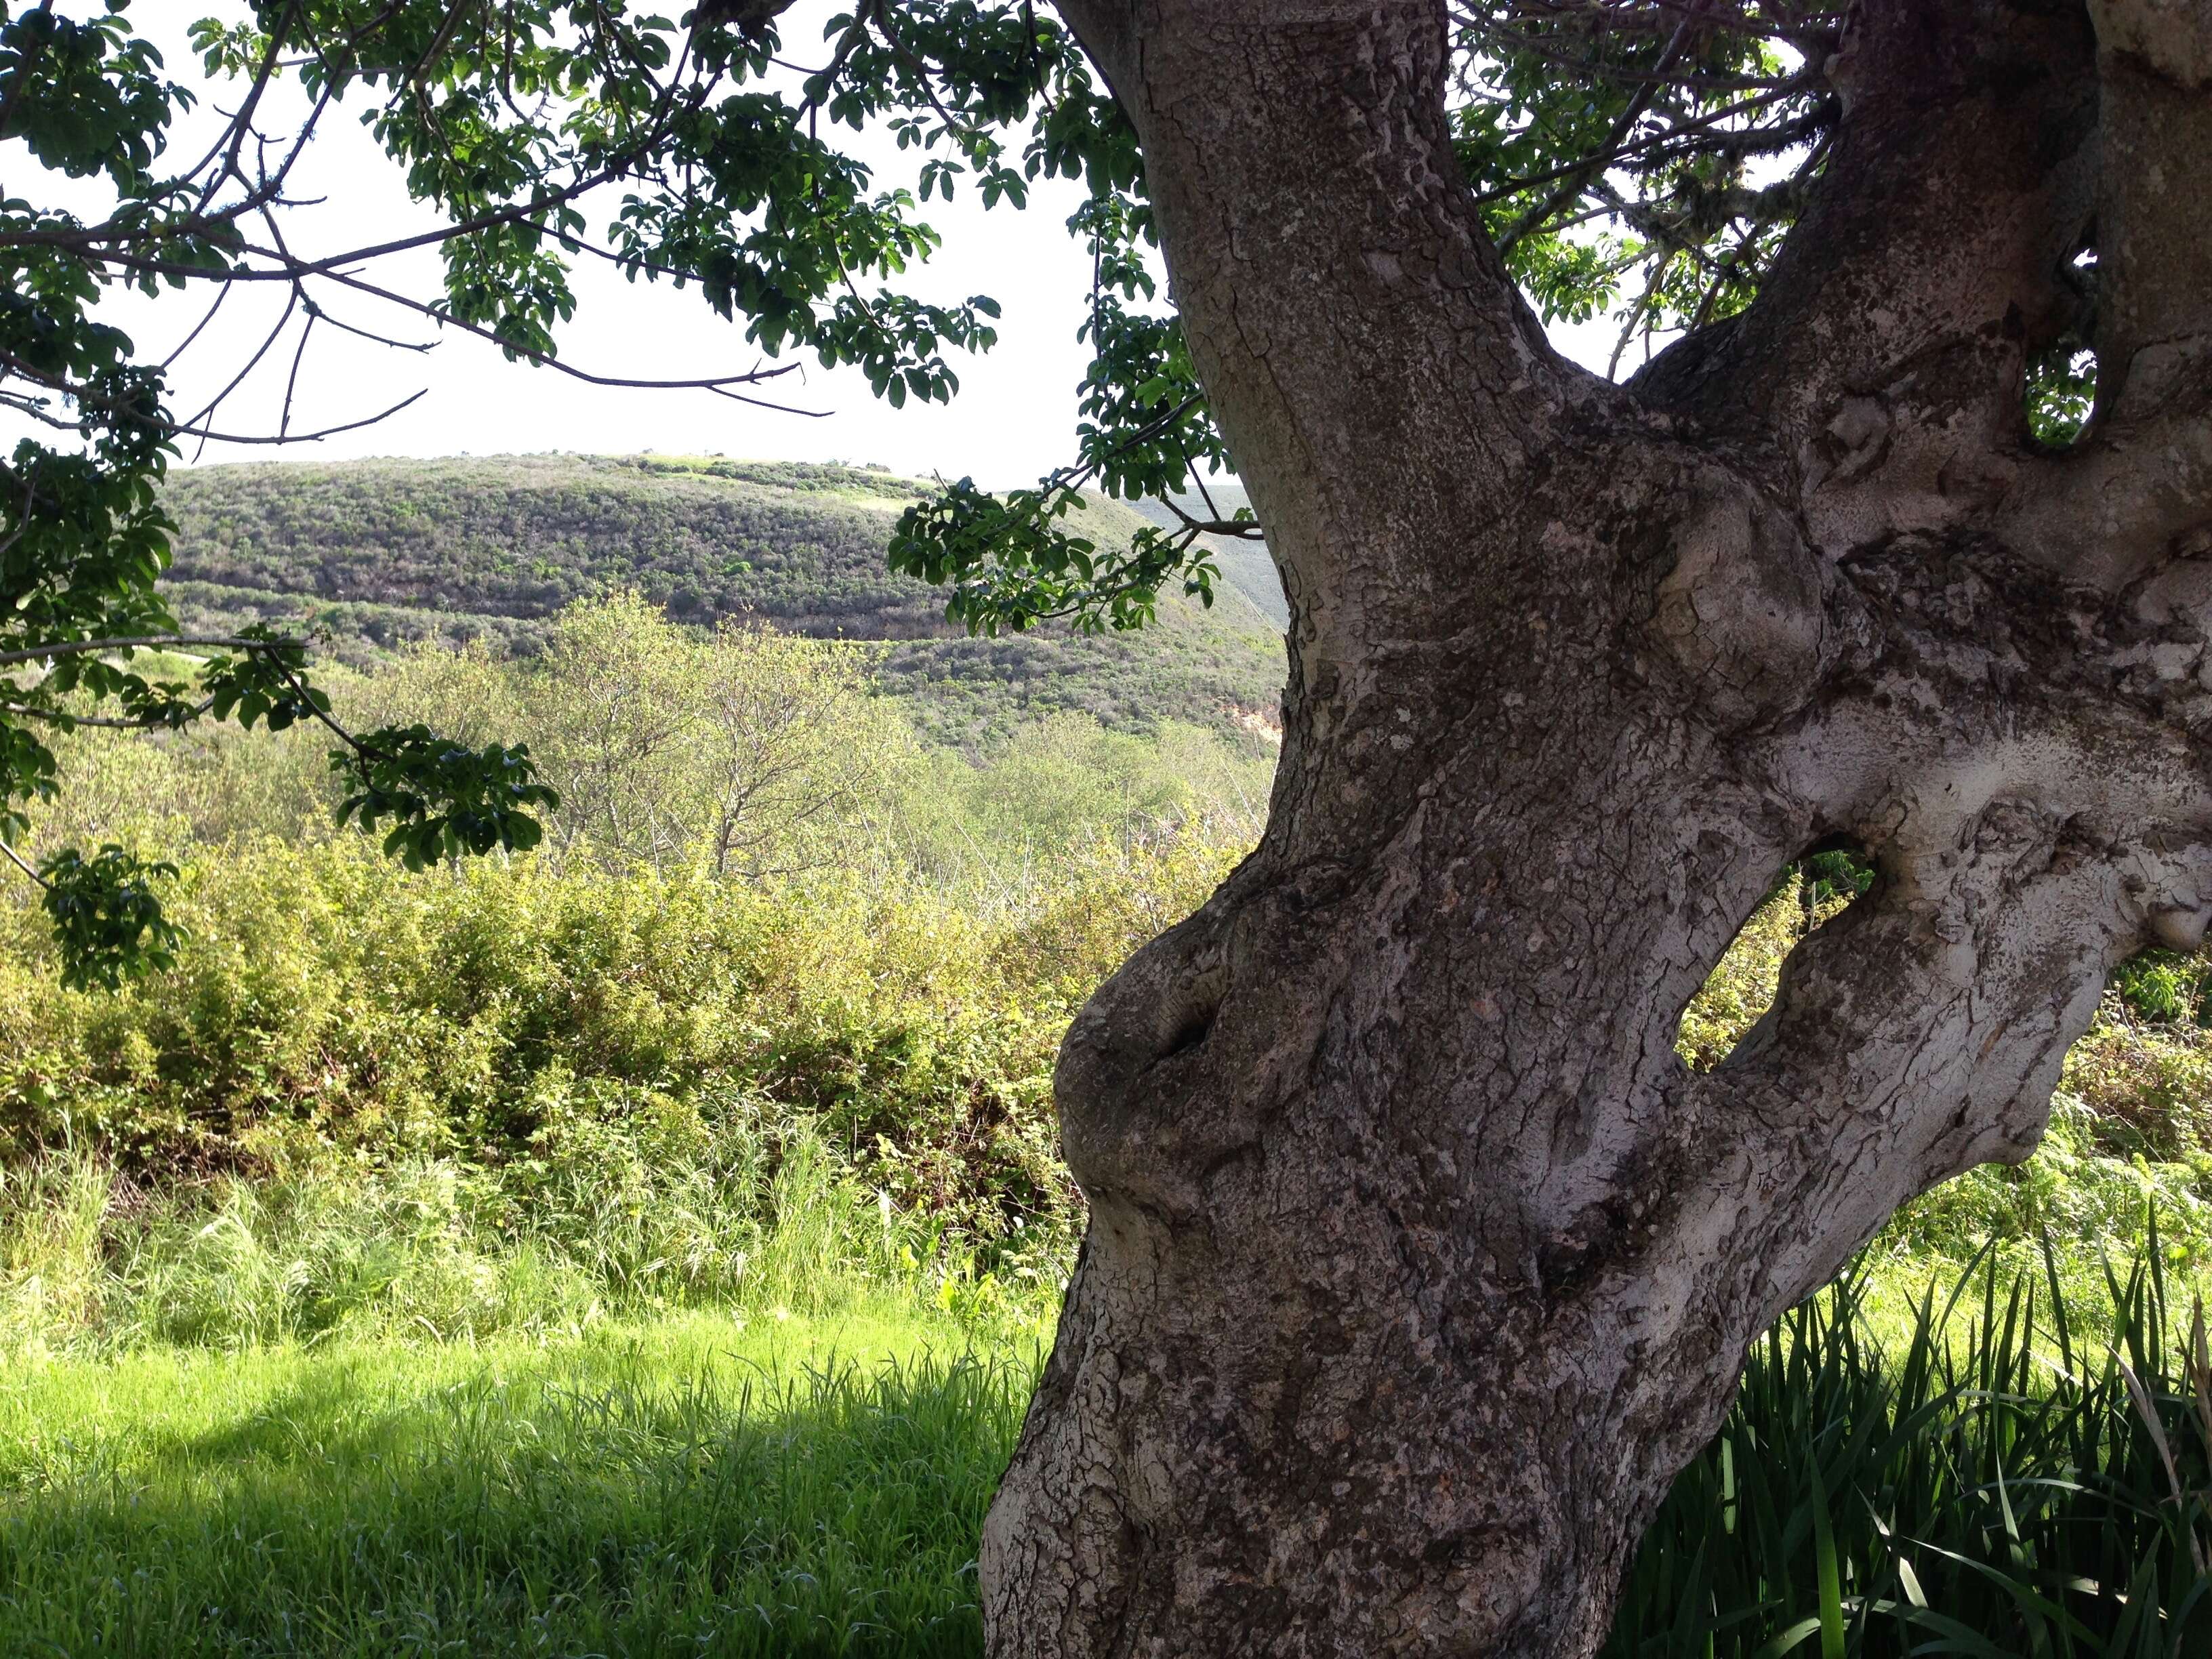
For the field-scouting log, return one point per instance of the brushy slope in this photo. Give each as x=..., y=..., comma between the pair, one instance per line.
x=1246, y=565
x=383, y=552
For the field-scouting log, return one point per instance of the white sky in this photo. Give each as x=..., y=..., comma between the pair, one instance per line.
x=1013, y=419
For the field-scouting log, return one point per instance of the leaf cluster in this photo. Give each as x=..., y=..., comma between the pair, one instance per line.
x=108, y=923
x=444, y=798
x=1011, y=562
x=1642, y=158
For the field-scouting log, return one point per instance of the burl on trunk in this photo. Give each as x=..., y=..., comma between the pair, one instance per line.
x=1418, y=1264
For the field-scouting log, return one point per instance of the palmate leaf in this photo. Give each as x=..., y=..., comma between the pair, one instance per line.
x=443, y=800
x=107, y=922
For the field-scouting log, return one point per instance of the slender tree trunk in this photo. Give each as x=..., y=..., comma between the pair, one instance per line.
x=1418, y=1264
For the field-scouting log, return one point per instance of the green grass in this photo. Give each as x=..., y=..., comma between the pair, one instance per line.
x=536, y=1264
x=2016, y=1469
x=1983, y=1479
x=692, y=1485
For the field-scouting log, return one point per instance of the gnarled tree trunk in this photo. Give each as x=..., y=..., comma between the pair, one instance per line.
x=1418, y=1264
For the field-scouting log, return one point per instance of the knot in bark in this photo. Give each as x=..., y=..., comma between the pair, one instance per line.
x=1124, y=1065
x=1743, y=610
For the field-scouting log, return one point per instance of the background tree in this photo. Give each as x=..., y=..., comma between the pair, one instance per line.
x=753, y=753
x=795, y=754
x=617, y=712
x=1417, y=1262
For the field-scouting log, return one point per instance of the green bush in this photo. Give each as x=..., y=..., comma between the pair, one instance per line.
x=640, y=1066
x=328, y=1001
x=464, y=1101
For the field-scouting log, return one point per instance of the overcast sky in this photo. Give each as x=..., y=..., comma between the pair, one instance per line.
x=1013, y=419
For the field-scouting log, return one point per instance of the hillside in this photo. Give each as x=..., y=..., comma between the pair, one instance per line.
x=385, y=552
x=1246, y=565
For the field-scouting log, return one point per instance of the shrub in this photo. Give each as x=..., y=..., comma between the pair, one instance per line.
x=544, y=1027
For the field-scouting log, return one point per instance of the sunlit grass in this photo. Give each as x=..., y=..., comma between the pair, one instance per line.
x=2014, y=1468
x=781, y=1483
x=695, y=1484
x=734, y=1371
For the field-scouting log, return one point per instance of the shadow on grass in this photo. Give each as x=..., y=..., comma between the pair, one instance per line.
x=829, y=1511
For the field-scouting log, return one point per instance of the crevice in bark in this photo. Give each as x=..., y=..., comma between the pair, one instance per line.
x=1196, y=1026
x=1832, y=875
x=1813, y=891
x=2059, y=389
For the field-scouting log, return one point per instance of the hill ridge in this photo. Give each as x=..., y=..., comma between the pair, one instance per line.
x=385, y=552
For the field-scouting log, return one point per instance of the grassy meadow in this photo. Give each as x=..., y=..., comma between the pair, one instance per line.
x=685, y=1483
x=646, y=1246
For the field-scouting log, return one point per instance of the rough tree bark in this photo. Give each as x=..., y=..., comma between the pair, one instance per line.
x=1418, y=1264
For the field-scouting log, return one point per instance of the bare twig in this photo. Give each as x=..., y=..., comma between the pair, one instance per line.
x=54, y=648
x=1569, y=187
x=221, y=294
x=16, y=858
x=30, y=407
x=292, y=380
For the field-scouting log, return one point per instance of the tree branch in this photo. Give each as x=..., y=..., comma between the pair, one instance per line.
x=54, y=648
x=2154, y=203
x=63, y=718
x=1351, y=211
x=1925, y=264
x=16, y=858
x=1916, y=1035
x=1572, y=183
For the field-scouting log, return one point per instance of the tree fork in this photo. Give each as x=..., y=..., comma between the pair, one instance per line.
x=1418, y=1264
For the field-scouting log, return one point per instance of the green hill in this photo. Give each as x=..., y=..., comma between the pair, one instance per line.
x=386, y=552
x=1246, y=565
